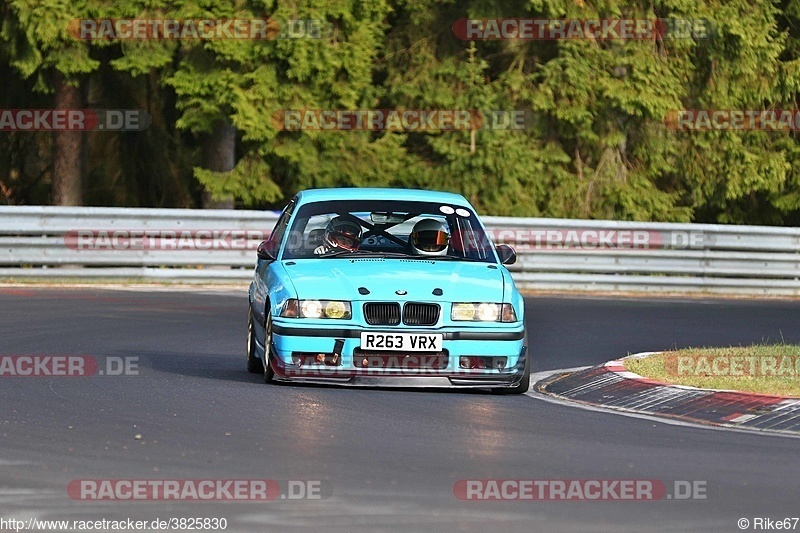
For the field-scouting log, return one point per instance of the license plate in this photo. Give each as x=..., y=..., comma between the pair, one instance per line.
x=402, y=342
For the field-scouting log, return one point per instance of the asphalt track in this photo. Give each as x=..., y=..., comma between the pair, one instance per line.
x=388, y=459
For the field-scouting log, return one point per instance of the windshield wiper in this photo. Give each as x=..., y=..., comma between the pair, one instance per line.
x=401, y=255
x=338, y=253
x=428, y=257
x=363, y=253
x=450, y=258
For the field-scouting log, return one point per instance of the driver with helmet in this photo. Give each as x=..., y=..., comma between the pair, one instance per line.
x=342, y=234
x=429, y=237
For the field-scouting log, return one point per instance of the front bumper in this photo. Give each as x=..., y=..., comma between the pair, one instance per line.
x=340, y=349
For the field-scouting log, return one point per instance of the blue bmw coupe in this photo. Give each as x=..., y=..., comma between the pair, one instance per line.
x=386, y=287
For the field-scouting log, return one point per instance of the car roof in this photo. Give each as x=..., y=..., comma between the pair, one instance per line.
x=374, y=193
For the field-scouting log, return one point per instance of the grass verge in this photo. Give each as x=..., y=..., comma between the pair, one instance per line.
x=763, y=369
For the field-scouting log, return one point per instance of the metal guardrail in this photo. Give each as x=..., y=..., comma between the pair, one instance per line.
x=211, y=246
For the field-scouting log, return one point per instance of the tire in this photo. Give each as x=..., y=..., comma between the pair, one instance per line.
x=525, y=383
x=268, y=372
x=254, y=364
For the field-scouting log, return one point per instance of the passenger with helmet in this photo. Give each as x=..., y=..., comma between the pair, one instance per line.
x=342, y=234
x=429, y=237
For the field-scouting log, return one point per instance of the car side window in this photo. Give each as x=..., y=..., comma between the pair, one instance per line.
x=468, y=242
x=275, y=238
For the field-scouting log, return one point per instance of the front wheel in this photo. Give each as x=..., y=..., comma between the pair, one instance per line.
x=525, y=382
x=268, y=372
x=254, y=365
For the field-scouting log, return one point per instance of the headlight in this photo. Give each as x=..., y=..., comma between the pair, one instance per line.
x=334, y=309
x=316, y=309
x=483, y=312
x=311, y=309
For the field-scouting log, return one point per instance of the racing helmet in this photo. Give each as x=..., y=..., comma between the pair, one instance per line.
x=342, y=233
x=429, y=237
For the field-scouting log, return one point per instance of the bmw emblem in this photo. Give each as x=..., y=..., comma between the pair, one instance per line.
x=401, y=293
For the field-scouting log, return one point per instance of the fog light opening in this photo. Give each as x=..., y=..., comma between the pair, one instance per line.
x=315, y=359
x=479, y=362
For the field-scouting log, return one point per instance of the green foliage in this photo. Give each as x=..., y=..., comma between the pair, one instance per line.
x=248, y=181
x=597, y=143
x=35, y=38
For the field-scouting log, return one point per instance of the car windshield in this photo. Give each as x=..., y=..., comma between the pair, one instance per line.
x=392, y=229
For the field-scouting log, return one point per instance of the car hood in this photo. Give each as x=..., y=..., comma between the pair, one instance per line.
x=340, y=279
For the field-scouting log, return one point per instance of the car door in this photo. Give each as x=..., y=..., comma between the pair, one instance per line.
x=264, y=276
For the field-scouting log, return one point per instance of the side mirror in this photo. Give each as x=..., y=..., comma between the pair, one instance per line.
x=264, y=253
x=506, y=253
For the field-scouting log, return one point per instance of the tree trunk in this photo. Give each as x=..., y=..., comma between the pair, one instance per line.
x=67, y=149
x=219, y=155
